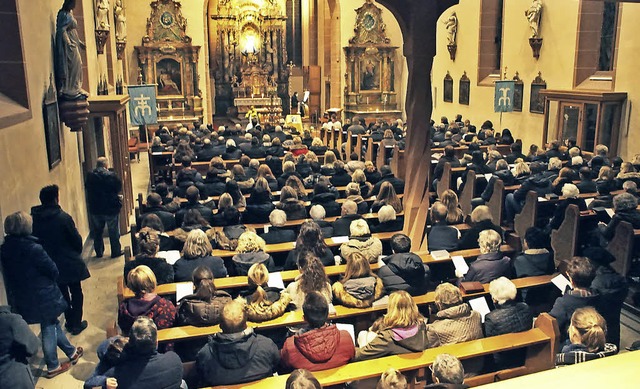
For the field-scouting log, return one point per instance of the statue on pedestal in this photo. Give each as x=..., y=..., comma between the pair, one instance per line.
x=120, y=21
x=68, y=62
x=533, y=15
x=451, y=24
x=102, y=15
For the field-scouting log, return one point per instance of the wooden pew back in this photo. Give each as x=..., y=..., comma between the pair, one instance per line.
x=564, y=240
x=467, y=193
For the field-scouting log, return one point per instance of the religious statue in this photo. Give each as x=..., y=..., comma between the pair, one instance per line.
x=120, y=20
x=533, y=15
x=451, y=24
x=68, y=62
x=102, y=15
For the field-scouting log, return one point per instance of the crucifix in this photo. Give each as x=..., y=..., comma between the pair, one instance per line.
x=290, y=65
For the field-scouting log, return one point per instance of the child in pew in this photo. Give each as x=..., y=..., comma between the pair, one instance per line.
x=302, y=379
x=447, y=372
x=587, y=333
x=261, y=301
x=401, y=330
x=442, y=236
x=359, y=287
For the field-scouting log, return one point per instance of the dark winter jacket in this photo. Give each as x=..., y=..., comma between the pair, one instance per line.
x=394, y=341
x=167, y=218
x=488, y=267
x=373, y=176
x=442, y=237
x=318, y=349
x=565, y=305
x=184, y=267
x=389, y=226
x=587, y=186
x=236, y=358
x=437, y=173
x=294, y=209
x=103, y=187
x=257, y=213
x=507, y=179
x=341, y=178
x=291, y=263
x=278, y=235
x=404, y=271
x=561, y=208
x=195, y=312
x=539, y=184
x=59, y=237
x=147, y=371
x=631, y=216
x=206, y=212
x=470, y=237
x=31, y=280
x=397, y=184
x=161, y=311
x=242, y=262
x=328, y=201
x=341, y=225
x=162, y=270
x=613, y=289
x=508, y=318
x=533, y=262
x=17, y=344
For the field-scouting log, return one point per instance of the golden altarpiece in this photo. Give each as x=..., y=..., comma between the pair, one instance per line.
x=370, y=78
x=167, y=58
x=250, y=58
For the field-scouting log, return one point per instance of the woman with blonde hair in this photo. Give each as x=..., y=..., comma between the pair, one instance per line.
x=387, y=196
x=318, y=147
x=312, y=278
x=291, y=205
x=329, y=159
x=359, y=287
x=521, y=171
x=388, y=139
x=250, y=251
x=454, y=213
x=353, y=194
x=146, y=302
x=195, y=253
x=264, y=171
x=401, y=330
x=587, y=334
x=360, y=178
x=311, y=157
x=360, y=240
x=298, y=147
x=262, y=301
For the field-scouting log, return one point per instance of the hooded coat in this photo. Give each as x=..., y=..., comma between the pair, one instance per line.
x=236, y=358
x=394, y=341
x=454, y=325
x=318, y=349
x=404, y=271
x=243, y=261
x=368, y=246
x=161, y=311
x=358, y=292
x=162, y=270
x=31, y=280
x=195, y=312
x=17, y=343
x=60, y=239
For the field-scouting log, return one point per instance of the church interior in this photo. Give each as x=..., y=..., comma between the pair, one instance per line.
x=418, y=69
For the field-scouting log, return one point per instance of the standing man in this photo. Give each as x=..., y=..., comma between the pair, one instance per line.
x=103, y=195
x=60, y=238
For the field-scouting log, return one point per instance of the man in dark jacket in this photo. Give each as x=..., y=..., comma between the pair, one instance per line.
x=104, y=201
x=237, y=354
x=321, y=345
x=141, y=366
x=60, y=239
x=387, y=175
x=404, y=270
x=187, y=177
x=17, y=343
x=581, y=273
x=586, y=184
x=442, y=236
x=207, y=152
x=516, y=152
x=349, y=213
x=193, y=195
x=449, y=156
x=277, y=233
x=154, y=206
x=254, y=150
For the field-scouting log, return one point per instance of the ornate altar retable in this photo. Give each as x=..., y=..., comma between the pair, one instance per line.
x=167, y=58
x=370, y=77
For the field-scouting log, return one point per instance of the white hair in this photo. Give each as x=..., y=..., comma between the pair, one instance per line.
x=489, y=241
x=570, y=191
x=555, y=163
x=576, y=161
x=277, y=218
x=359, y=227
x=317, y=212
x=386, y=213
x=230, y=143
x=278, y=128
x=502, y=290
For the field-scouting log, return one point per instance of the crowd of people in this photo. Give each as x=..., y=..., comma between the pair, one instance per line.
x=44, y=275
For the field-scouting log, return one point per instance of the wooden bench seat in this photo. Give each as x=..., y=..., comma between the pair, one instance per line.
x=296, y=317
x=541, y=343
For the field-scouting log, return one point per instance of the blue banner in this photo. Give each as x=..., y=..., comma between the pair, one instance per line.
x=142, y=106
x=503, y=97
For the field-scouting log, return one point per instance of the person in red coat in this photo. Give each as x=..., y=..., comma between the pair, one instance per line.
x=321, y=345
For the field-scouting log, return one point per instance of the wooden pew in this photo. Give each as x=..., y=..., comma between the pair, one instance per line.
x=444, y=182
x=382, y=155
x=296, y=317
x=564, y=240
x=290, y=275
x=622, y=246
x=467, y=193
x=496, y=202
x=398, y=163
x=527, y=217
x=541, y=343
x=372, y=150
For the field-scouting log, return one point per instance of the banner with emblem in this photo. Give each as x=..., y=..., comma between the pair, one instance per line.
x=142, y=105
x=503, y=97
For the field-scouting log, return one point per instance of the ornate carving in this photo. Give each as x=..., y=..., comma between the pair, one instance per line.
x=101, y=39
x=536, y=44
x=452, y=51
x=166, y=23
x=369, y=28
x=120, y=46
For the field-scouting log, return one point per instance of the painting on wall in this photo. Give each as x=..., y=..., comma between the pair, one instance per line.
x=465, y=87
x=518, y=93
x=52, y=126
x=169, y=77
x=537, y=101
x=448, y=88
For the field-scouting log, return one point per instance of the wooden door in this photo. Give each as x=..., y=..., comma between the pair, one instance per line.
x=313, y=83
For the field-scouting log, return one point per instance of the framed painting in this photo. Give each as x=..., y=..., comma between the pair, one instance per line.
x=537, y=101
x=448, y=88
x=465, y=87
x=51, y=121
x=518, y=92
x=369, y=74
x=169, y=74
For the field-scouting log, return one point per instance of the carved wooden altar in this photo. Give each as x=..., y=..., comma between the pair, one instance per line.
x=370, y=57
x=167, y=58
x=249, y=62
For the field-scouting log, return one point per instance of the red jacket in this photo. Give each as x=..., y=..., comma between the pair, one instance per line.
x=318, y=349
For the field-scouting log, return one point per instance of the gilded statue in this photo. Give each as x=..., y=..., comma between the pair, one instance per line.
x=451, y=24
x=68, y=62
x=102, y=15
x=533, y=15
x=120, y=21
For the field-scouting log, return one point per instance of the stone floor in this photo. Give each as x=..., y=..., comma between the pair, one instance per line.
x=101, y=305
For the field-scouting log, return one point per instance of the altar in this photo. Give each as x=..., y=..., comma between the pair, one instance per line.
x=269, y=109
